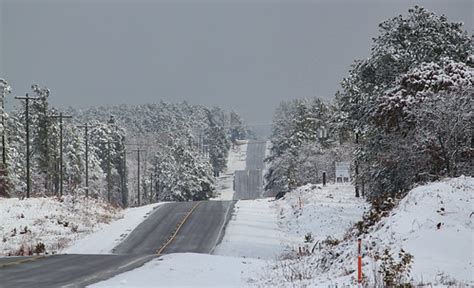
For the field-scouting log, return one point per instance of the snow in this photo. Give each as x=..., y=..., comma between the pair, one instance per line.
x=51, y=221
x=189, y=270
x=258, y=234
x=235, y=161
x=103, y=241
x=445, y=252
x=253, y=231
x=441, y=256
x=320, y=210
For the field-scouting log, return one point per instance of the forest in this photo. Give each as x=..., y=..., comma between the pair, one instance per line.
x=135, y=154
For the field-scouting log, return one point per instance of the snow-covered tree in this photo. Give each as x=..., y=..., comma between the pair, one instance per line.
x=16, y=156
x=5, y=183
x=403, y=44
x=217, y=140
x=412, y=61
x=302, y=138
x=108, y=142
x=237, y=128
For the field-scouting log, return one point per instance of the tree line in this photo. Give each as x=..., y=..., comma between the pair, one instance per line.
x=183, y=148
x=404, y=113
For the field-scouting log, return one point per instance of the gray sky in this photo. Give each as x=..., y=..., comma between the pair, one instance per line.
x=242, y=55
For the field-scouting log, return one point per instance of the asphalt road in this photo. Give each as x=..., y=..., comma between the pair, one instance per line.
x=248, y=183
x=255, y=154
x=199, y=233
x=147, y=237
x=67, y=270
x=203, y=230
x=174, y=227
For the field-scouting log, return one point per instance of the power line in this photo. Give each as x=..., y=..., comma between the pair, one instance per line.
x=138, y=150
x=86, y=127
x=61, y=116
x=27, y=99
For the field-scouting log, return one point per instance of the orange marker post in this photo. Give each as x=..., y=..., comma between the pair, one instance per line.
x=359, y=261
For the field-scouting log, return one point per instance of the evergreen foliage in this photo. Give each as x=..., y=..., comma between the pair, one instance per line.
x=301, y=150
x=420, y=70
x=184, y=148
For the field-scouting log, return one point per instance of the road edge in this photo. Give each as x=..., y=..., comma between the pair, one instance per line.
x=230, y=209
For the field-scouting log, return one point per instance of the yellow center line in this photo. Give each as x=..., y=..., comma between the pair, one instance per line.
x=33, y=258
x=159, y=251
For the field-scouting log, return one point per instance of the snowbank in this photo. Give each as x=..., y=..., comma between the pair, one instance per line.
x=253, y=231
x=28, y=224
x=103, y=241
x=189, y=270
x=433, y=223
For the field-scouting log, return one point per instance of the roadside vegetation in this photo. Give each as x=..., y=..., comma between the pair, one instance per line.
x=42, y=226
x=403, y=118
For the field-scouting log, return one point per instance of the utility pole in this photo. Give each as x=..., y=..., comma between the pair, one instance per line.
x=109, y=180
x=86, y=127
x=61, y=116
x=124, y=178
x=27, y=99
x=138, y=150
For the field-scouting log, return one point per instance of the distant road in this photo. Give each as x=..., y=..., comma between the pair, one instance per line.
x=255, y=154
x=173, y=227
x=248, y=183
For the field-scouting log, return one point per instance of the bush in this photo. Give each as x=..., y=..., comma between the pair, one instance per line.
x=395, y=273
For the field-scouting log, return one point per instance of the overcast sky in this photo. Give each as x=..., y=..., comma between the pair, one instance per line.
x=242, y=55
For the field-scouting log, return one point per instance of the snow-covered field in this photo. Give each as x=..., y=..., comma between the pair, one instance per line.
x=104, y=240
x=28, y=224
x=235, y=161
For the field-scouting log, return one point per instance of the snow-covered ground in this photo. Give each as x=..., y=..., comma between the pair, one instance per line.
x=27, y=224
x=189, y=270
x=103, y=241
x=252, y=242
x=434, y=223
x=259, y=233
x=253, y=231
x=235, y=161
x=320, y=210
